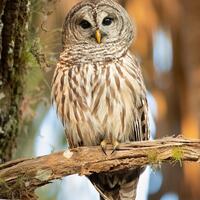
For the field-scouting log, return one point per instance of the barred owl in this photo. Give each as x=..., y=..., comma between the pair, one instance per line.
x=99, y=90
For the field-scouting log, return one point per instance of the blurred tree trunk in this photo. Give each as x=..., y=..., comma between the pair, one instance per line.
x=186, y=41
x=190, y=99
x=183, y=20
x=190, y=36
x=13, y=28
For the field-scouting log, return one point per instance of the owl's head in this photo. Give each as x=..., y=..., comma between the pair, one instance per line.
x=98, y=22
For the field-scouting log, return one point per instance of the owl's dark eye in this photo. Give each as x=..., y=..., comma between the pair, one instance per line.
x=107, y=21
x=85, y=24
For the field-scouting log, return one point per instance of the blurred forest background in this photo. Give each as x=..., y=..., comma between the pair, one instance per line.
x=168, y=47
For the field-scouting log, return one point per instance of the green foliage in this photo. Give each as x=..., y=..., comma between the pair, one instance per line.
x=177, y=155
x=14, y=190
x=34, y=74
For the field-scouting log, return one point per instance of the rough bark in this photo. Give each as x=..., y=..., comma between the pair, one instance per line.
x=13, y=25
x=22, y=177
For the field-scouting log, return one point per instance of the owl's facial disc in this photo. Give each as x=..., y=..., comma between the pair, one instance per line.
x=98, y=23
x=100, y=26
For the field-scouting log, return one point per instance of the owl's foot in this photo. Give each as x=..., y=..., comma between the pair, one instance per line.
x=103, y=146
x=115, y=144
x=104, y=143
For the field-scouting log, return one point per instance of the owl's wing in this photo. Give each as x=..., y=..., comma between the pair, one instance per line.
x=141, y=125
x=141, y=121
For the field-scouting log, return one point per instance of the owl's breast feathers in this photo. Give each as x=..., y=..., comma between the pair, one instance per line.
x=101, y=100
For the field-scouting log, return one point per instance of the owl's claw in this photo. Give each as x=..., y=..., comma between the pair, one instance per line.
x=115, y=146
x=103, y=146
x=104, y=143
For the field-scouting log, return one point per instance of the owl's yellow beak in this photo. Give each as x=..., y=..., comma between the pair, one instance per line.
x=98, y=36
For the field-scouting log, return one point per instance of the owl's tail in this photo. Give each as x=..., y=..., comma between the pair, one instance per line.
x=127, y=191
x=120, y=186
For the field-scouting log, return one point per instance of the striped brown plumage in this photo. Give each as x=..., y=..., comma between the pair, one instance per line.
x=99, y=93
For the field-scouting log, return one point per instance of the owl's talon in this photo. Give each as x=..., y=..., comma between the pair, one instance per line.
x=103, y=146
x=115, y=146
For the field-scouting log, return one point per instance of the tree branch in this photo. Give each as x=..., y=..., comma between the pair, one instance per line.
x=25, y=175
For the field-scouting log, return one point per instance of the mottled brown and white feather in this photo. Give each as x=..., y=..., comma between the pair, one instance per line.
x=101, y=100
